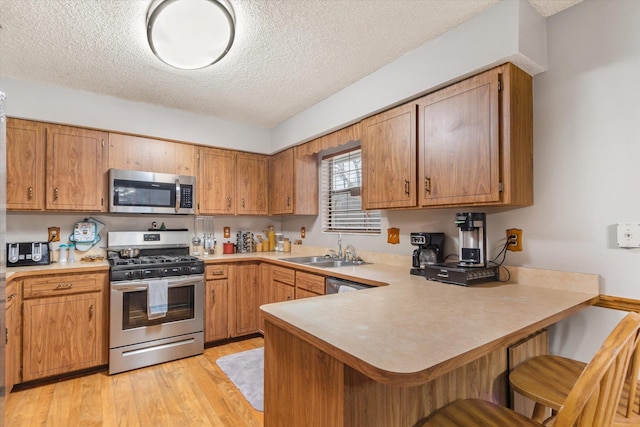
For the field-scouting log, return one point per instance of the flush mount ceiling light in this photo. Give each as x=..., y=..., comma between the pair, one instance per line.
x=190, y=34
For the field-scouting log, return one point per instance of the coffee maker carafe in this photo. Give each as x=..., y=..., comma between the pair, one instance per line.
x=430, y=251
x=473, y=241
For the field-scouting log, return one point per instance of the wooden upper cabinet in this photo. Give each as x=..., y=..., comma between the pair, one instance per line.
x=76, y=169
x=151, y=155
x=25, y=164
x=293, y=183
x=389, y=158
x=475, y=141
x=216, y=181
x=460, y=143
x=252, y=184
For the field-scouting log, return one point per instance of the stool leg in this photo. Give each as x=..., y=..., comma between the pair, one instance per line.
x=538, y=412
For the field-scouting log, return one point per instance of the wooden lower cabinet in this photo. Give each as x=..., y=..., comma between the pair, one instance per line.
x=298, y=372
x=13, y=347
x=244, y=299
x=216, y=326
x=64, y=324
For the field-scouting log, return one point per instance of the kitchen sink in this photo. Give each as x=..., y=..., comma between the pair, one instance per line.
x=323, y=262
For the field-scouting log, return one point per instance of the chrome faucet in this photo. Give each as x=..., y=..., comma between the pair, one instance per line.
x=340, y=245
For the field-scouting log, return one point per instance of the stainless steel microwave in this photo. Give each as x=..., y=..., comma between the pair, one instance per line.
x=151, y=193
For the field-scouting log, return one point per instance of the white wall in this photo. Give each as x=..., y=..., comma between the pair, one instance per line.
x=36, y=101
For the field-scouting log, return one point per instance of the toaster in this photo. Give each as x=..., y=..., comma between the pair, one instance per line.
x=27, y=253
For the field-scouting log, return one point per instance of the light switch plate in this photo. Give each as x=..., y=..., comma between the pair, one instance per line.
x=629, y=234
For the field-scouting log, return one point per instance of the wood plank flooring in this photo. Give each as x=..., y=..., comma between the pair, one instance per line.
x=183, y=393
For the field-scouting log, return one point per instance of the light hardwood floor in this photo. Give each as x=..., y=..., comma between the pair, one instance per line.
x=184, y=393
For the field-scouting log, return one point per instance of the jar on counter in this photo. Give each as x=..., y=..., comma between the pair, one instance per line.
x=286, y=246
x=271, y=235
x=279, y=242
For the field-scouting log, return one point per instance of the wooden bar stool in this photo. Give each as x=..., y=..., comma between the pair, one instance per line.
x=592, y=401
x=547, y=380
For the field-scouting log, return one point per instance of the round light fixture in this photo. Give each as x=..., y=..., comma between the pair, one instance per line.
x=190, y=34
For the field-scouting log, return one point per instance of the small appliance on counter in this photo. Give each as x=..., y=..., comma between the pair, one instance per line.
x=27, y=253
x=471, y=268
x=430, y=251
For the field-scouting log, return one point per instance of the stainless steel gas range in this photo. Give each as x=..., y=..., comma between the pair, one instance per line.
x=153, y=267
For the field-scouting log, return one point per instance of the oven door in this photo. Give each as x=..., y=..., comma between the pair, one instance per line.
x=129, y=323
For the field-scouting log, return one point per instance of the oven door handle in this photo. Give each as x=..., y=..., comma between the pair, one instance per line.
x=139, y=285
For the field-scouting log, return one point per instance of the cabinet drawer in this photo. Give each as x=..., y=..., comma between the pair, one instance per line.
x=214, y=272
x=283, y=275
x=310, y=282
x=55, y=285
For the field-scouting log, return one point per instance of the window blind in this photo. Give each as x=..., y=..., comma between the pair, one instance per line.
x=341, y=200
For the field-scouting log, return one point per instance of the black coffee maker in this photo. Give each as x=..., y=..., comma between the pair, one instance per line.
x=430, y=251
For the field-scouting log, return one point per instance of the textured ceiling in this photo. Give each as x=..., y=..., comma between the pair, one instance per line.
x=287, y=55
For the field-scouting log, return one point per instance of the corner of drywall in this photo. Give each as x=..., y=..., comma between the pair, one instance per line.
x=532, y=39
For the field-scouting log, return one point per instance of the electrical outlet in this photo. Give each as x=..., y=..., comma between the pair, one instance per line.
x=54, y=234
x=514, y=237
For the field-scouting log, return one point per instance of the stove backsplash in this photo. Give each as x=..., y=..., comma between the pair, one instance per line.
x=28, y=227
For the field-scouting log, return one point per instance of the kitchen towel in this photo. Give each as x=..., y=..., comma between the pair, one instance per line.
x=157, y=298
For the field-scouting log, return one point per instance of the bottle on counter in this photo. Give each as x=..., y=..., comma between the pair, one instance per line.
x=271, y=235
x=62, y=258
x=286, y=246
x=72, y=253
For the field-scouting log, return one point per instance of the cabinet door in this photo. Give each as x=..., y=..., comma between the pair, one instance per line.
x=151, y=155
x=281, y=183
x=216, y=181
x=389, y=159
x=13, y=346
x=62, y=334
x=251, y=184
x=460, y=143
x=76, y=171
x=25, y=165
x=216, y=316
x=245, y=290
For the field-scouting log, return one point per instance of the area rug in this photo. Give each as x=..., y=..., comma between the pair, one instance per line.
x=246, y=371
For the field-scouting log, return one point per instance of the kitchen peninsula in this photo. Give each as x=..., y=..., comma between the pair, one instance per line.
x=390, y=356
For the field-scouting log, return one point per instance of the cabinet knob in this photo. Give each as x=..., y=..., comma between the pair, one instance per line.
x=30, y=193
x=56, y=193
x=406, y=187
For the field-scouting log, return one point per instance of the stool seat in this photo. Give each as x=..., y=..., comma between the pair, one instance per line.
x=548, y=379
x=478, y=413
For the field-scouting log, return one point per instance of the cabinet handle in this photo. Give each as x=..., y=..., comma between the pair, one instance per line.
x=64, y=286
x=427, y=185
x=288, y=201
x=30, y=193
x=406, y=187
x=56, y=193
x=10, y=297
x=217, y=273
x=91, y=312
x=213, y=296
x=243, y=202
x=229, y=202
